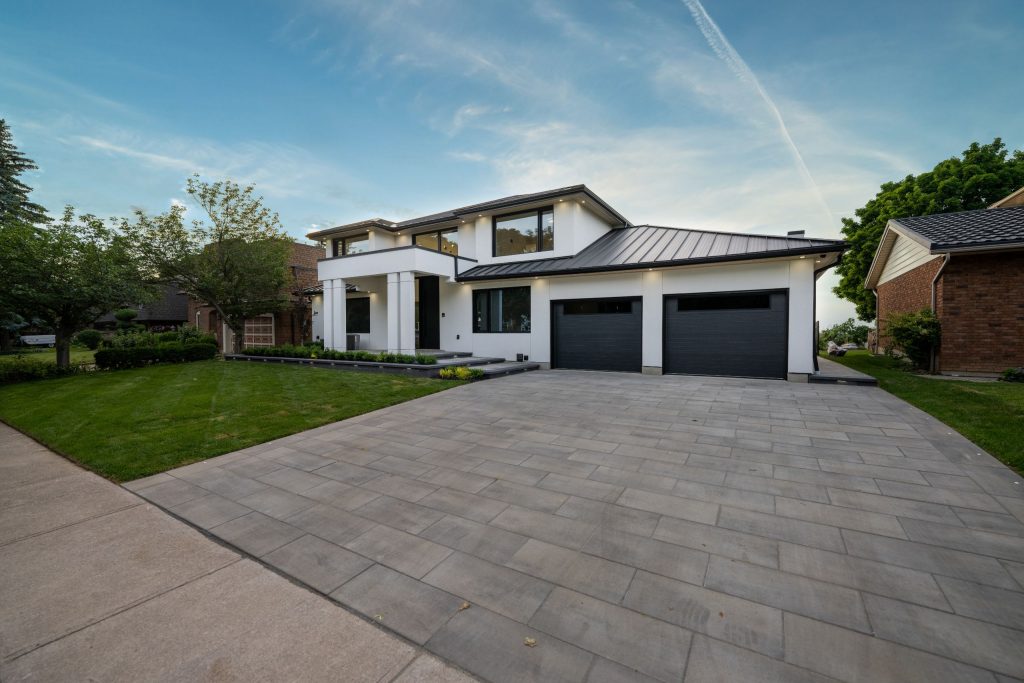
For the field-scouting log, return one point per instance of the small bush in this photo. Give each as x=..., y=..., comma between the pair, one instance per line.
x=171, y=336
x=190, y=334
x=461, y=372
x=915, y=335
x=90, y=339
x=1012, y=375
x=308, y=351
x=26, y=370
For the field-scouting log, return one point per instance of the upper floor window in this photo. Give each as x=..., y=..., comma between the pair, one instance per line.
x=445, y=241
x=526, y=232
x=357, y=244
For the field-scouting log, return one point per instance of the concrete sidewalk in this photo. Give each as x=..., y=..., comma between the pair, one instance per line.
x=97, y=584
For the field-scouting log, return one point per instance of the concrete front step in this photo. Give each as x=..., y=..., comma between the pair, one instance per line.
x=467, y=360
x=508, y=368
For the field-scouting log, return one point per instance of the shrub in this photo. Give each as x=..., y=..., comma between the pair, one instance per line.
x=168, y=352
x=90, y=339
x=130, y=339
x=849, y=332
x=308, y=351
x=461, y=372
x=190, y=334
x=171, y=336
x=26, y=369
x=1012, y=375
x=915, y=335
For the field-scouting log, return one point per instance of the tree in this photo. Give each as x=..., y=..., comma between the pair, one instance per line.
x=14, y=201
x=849, y=332
x=17, y=215
x=71, y=272
x=237, y=263
x=982, y=175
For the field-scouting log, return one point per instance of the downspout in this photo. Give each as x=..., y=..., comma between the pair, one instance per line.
x=935, y=302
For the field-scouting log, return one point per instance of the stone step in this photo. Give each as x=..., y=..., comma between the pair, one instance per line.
x=508, y=368
x=865, y=381
x=471, y=361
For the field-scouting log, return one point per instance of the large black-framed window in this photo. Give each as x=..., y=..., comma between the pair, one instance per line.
x=357, y=315
x=501, y=310
x=526, y=232
x=444, y=241
x=356, y=244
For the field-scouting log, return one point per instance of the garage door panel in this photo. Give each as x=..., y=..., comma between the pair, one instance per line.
x=597, y=334
x=743, y=335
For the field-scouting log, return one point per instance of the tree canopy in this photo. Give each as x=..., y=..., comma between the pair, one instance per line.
x=237, y=262
x=14, y=202
x=983, y=174
x=71, y=272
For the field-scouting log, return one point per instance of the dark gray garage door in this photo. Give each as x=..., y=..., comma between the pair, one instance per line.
x=741, y=334
x=597, y=334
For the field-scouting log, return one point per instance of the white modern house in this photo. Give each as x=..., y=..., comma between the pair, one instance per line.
x=562, y=279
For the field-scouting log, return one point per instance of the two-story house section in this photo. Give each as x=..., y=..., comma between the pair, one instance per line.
x=563, y=279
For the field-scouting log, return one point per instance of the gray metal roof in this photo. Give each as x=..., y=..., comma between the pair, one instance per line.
x=978, y=229
x=453, y=214
x=646, y=246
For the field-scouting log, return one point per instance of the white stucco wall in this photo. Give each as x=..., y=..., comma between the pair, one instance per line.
x=318, y=316
x=796, y=276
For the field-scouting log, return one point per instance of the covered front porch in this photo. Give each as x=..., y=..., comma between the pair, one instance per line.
x=386, y=300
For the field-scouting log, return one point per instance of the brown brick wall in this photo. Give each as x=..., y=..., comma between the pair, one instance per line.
x=981, y=306
x=907, y=293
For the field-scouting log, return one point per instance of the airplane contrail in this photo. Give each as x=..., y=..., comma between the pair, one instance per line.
x=725, y=51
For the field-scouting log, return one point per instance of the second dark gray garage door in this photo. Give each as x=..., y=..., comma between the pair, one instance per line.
x=597, y=334
x=740, y=334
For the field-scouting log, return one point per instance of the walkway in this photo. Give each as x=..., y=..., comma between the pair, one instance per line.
x=644, y=528
x=96, y=584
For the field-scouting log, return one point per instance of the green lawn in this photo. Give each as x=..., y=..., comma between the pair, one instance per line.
x=132, y=423
x=991, y=414
x=45, y=355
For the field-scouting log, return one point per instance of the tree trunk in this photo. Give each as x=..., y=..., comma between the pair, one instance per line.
x=63, y=344
x=237, y=335
x=6, y=340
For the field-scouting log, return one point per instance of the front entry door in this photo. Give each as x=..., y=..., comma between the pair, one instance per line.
x=429, y=312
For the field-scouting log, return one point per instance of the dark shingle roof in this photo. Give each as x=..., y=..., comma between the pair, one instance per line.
x=968, y=229
x=452, y=214
x=650, y=245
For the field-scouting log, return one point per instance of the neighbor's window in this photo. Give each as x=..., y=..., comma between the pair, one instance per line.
x=259, y=331
x=445, y=241
x=524, y=233
x=501, y=310
x=357, y=315
x=357, y=244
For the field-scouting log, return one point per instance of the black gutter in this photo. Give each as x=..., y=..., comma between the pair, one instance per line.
x=653, y=264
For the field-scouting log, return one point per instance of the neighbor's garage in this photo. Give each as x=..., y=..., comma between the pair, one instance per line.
x=740, y=334
x=597, y=334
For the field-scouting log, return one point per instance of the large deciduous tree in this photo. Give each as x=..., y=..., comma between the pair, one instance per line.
x=982, y=175
x=237, y=262
x=70, y=272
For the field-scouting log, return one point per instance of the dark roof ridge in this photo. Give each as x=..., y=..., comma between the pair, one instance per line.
x=738, y=234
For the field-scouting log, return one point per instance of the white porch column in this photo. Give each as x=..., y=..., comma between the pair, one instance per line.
x=327, y=314
x=338, y=310
x=406, y=312
x=652, y=322
x=392, y=303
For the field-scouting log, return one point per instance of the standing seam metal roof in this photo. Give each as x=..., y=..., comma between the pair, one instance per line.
x=652, y=245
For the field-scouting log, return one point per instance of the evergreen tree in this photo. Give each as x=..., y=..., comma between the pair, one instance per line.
x=14, y=202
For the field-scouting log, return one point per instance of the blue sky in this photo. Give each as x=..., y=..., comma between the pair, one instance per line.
x=733, y=115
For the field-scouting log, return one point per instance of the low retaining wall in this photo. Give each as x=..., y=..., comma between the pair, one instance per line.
x=413, y=369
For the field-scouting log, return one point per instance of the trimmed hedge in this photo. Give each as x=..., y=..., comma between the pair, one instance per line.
x=290, y=351
x=26, y=370
x=137, y=356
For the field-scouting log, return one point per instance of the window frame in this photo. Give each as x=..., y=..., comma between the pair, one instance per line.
x=539, y=233
x=343, y=243
x=438, y=234
x=486, y=292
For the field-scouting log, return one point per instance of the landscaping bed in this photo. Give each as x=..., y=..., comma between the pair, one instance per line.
x=990, y=414
x=134, y=423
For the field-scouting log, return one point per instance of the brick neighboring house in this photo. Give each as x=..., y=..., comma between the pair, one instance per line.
x=292, y=325
x=968, y=267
